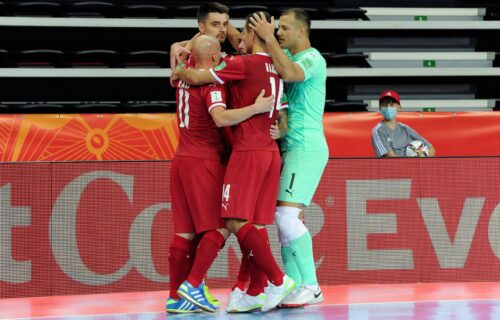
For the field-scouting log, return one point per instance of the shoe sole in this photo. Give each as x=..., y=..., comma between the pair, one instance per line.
x=199, y=305
x=255, y=308
x=298, y=305
x=182, y=311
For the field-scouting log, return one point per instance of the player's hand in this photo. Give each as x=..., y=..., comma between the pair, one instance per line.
x=174, y=76
x=262, y=28
x=264, y=104
x=177, y=53
x=274, y=131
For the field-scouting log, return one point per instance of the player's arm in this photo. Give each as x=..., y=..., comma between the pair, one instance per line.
x=192, y=76
x=288, y=70
x=180, y=50
x=233, y=35
x=229, y=117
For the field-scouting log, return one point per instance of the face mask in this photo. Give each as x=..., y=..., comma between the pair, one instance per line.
x=389, y=113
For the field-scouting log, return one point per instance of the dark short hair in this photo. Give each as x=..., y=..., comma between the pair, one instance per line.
x=247, y=19
x=209, y=7
x=301, y=16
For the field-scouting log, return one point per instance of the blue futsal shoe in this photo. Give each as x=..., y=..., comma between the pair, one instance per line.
x=181, y=306
x=196, y=296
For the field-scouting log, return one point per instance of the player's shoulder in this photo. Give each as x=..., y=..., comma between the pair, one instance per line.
x=379, y=128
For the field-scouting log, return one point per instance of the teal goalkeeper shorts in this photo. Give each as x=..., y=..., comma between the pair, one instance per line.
x=301, y=174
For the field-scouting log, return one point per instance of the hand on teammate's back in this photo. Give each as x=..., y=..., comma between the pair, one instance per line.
x=176, y=55
x=263, y=104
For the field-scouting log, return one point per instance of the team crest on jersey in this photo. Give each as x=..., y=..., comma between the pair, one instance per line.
x=216, y=96
x=220, y=66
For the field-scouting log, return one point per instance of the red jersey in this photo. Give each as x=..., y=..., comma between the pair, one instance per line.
x=247, y=76
x=199, y=136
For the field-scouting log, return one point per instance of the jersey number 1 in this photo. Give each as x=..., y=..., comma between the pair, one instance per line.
x=183, y=108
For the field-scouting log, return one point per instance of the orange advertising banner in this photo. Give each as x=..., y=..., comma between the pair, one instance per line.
x=81, y=137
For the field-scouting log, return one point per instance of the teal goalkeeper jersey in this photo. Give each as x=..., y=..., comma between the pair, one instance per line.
x=306, y=104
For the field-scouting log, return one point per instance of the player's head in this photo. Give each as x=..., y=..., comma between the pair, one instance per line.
x=389, y=104
x=294, y=27
x=242, y=46
x=248, y=36
x=213, y=18
x=206, y=51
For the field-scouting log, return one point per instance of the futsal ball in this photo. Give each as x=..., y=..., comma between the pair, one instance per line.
x=416, y=149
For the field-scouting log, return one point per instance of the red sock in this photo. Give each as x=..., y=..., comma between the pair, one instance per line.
x=208, y=249
x=258, y=279
x=259, y=252
x=179, y=263
x=244, y=273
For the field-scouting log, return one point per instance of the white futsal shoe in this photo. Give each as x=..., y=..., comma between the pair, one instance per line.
x=303, y=296
x=276, y=294
x=247, y=303
x=234, y=295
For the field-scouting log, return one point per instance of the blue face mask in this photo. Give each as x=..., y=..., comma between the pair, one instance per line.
x=389, y=113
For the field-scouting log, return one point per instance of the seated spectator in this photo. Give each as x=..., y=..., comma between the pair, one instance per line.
x=390, y=137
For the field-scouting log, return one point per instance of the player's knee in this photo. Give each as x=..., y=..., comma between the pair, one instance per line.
x=289, y=225
x=234, y=225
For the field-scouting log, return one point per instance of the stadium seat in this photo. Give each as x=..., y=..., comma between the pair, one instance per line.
x=5, y=108
x=147, y=59
x=152, y=106
x=97, y=108
x=344, y=14
x=38, y=9
x=40, y=58
x=41, y=108
x=348, y=60
x=241, y=11
x=345, y=106
x=186, y=11
x=144, y=11
x=5, y=61
x=95, y=58
x=91, y=9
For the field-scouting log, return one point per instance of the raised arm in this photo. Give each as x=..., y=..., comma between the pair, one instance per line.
x=289, y=71
x=192, y=76
x=228, y=117
x=233, y=36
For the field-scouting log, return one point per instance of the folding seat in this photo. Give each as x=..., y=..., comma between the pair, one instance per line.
x=344, y=14
x=187, y=11
x=95, y=58
x=345, y=106
x=5, y=108
x=144, y=11
x=91, y=9
x=151, y=107
x=147, y=59
x=37, y=8
x=97, y=108
x=348, y=60
x=41, y=108
x=5, y=61
x=241, y=11
x=40, y=58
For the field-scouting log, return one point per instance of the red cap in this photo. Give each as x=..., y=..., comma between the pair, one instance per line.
x=390, y=94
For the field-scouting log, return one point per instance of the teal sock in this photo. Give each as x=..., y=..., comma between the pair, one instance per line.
x=291, y=268
x=304, y=258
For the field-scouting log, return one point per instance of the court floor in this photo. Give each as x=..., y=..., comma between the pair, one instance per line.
x=454, y=301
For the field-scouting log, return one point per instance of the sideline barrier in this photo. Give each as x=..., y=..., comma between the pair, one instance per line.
x=74, y=137
x=95, y=227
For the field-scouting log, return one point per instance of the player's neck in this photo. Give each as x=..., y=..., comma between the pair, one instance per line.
x=301, y=46
x=258, y=48
x=204, y=65
x=391, y=123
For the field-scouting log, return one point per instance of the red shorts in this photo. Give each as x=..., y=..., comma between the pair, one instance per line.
x=195, y=188
x=251, y=186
